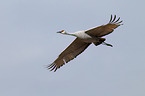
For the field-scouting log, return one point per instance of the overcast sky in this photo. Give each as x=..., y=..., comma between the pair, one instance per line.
x=29, y=42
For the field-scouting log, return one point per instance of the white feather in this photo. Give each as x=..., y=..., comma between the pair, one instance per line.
x=82, y=35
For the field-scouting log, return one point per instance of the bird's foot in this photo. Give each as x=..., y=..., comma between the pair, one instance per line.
x=104, y=43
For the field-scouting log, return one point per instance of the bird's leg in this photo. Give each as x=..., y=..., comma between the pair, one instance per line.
x=104, y=43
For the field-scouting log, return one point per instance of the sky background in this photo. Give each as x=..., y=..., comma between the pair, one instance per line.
x=29, y=42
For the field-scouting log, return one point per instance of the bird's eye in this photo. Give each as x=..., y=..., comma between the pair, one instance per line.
x=63, y=31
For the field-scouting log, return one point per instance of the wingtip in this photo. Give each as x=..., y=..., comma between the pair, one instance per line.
x=52, y=67
x=110, y=19
x=120, y=21
x=117, y=20
x=114, y=20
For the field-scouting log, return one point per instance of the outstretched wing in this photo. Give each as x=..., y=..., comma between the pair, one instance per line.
x=72, y=51
x=105, y=29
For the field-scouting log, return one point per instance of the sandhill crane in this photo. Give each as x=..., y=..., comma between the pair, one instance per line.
x=83, y=40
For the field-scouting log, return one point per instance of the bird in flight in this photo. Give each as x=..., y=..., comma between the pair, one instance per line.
x=83, y=40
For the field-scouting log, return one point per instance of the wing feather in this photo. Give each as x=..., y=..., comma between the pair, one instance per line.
x=105, y=29
x=71, y=52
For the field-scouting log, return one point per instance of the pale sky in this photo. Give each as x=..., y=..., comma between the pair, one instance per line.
x=29, y=42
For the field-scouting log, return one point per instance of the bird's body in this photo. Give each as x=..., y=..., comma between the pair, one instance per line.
x=83, y=40
x=84, y=36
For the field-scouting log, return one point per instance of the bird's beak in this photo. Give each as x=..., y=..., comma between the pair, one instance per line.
x=59, y=32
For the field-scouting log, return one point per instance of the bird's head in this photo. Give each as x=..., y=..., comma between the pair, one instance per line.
x=62, y=32
x=65, y=33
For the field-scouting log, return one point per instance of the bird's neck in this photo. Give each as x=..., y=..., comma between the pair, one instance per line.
x=71, y=34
